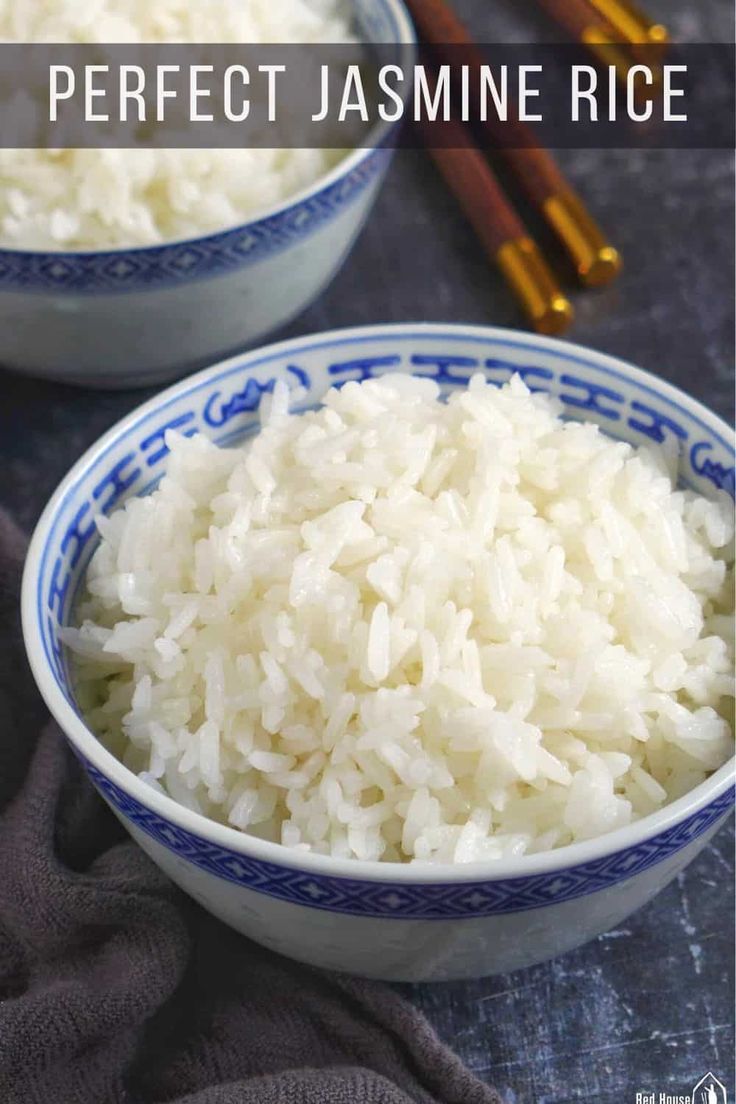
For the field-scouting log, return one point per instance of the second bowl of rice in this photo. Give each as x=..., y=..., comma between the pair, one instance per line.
x=452, y=651
x=123, y=268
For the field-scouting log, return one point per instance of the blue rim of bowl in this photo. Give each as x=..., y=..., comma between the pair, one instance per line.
x=266, y=233
x=186, y=262
x=413, y=900
x=701, y=807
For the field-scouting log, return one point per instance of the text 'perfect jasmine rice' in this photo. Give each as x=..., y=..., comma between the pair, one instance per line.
x=401, y=629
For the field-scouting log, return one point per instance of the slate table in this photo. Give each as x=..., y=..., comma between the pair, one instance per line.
x=647, y=1007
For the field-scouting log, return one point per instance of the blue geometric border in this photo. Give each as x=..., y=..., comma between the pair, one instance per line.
x=186, y=261
x=411, y=901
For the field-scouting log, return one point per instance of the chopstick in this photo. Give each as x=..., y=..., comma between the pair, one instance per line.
x=596, y=261
x=501, y=231
x=634, y=26
x=586, y=22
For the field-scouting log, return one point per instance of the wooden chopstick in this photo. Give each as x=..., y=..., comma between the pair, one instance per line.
x=595, y=259
x=501, y=231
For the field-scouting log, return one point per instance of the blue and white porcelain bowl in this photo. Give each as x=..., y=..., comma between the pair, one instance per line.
x=134, y=317
x=382, y=920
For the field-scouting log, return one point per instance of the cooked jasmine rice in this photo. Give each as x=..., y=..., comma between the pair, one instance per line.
x=68, y=199
x=401, y=629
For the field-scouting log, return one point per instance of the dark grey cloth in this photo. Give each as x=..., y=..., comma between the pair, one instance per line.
x=116, y=988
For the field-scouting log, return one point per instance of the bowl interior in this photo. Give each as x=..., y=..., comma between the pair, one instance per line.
x=223, y=404
x=378, y=23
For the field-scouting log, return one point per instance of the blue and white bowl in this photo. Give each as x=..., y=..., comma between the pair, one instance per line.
x=382, y=920
x=134, y=317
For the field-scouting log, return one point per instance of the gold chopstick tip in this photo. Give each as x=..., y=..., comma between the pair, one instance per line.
x=529, y=276
x=658, y=34
x=632, y=24
x=596, y=261
x=604, y=268
x=557, y=318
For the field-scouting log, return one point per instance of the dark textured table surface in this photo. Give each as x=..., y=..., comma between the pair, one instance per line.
x=648, y=1007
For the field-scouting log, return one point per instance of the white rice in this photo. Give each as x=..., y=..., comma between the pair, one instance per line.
x=394, y=628
x=71, y=200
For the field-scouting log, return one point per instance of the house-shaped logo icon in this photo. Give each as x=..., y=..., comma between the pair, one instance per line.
x=709, y=1090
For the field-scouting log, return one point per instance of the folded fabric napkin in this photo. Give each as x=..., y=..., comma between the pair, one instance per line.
x=116, y=989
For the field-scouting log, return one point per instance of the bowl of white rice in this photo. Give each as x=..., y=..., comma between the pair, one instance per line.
x=126, y=267
x=406, y=650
